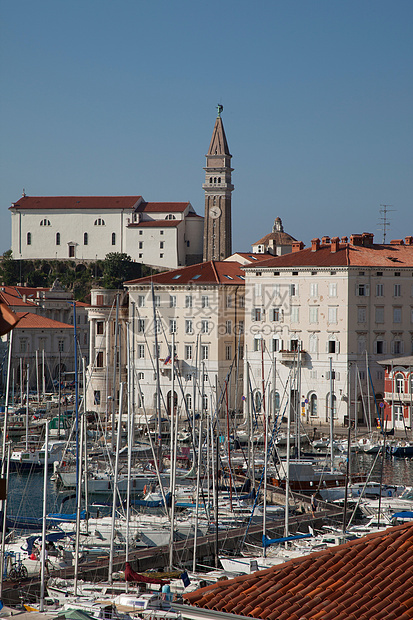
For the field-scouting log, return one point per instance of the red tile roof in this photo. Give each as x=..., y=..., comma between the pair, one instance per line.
x=162, y=207
x=210, y=272
x=347, y=255
x=156, y=224
x=10, y=296
x=253, y=258
x=35, y=321
x=75, y=202
x=365, y=579
x=280, y=238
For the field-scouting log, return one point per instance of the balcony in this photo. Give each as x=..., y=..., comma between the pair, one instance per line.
x=398, y=398
x=290, y=357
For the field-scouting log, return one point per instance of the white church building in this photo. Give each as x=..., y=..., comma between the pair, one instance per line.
x=162, y=234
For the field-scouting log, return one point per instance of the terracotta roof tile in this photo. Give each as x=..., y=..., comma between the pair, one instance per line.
x=371, y=577
x=162, y=207
x=35, y=321
x=374, y=255
x=76, y=202
x=209, y=272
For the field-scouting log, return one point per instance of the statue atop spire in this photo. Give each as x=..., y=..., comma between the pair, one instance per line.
x=220, y=109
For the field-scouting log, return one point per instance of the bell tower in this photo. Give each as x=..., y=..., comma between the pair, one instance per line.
x=218, y=189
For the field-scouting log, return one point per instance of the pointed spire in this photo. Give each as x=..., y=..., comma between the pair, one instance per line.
x=219, y=144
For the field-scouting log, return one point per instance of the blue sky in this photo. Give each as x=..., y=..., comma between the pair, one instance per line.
x=117, y=98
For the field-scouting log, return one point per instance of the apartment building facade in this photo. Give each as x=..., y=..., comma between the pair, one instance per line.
x=340, y=307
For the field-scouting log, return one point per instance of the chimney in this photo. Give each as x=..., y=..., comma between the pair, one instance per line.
x=344, y=239
x=408, y=240
x=356, y=240
x=367, y=238
x=325, y=240
x=315, y=244
x=335, y=241
x=297, y=246
x=397, y=242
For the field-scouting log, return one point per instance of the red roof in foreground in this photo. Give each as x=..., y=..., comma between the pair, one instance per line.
x=76, y=202
x=365, y=579
x=35, y=321
x=210, y=272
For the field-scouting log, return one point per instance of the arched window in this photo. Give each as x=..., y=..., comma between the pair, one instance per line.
x=45, y=223
x=215, y=179
x=188, y=399
x=57, y=238
x=85, y=239
x=313, y=405
x=399, y=384
x=29, y=238
x=257, y=401
x=170, y=216
x=99, y=222
x=219, y=179
x=113, y=238
x=277, y=401
x=210, y=179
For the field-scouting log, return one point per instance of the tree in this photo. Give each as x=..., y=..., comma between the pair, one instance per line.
x=9, y=270
x=118, y=268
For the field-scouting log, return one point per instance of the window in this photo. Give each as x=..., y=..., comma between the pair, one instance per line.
x=141, y=232
x=229, y=301
x=61, y=345
x=332, y=315
x=204, y=352
x=313, y=289
x=397, y=347
x=379, y=290
x=276, y=290
x=313, y=314
x=170, y=216
x=141, y=245
x=158, y=326
x=140, y=351
x=141, y=326
x=275, y=314
x=258, y=344
x=379, y=314
x=172, y=301
x=240, y=327
x=228, y=352
x=161, y=232
x=258, y=289
x=23, y=345
x=228, y=327
x=379, y=346
x=71, y=251
x=29, y=238
x=313, y=343
x=156, y=354
x=188, y=351
x=361, y=344
x=45, y=223
x=99, y=222
x=204, y=327
x=141, y=301
x=96, y=397
x=275, y=345
x=188, y=301
x=332, y=289
x=205, y=301
x=361, y=314
x=157, y=301
x=99, y=327
x=99, y=359
x=397, y=315
x=141, y=376
x=57, y=238
x=188, y=398
x=188, y=326
x=242, y=301
x=257, y=314
x=294, y=345
x=257, y=401
x=331, y=346
x=399, y=384
x=397, y=290
x=293, y=290
x=161, y=255
x=295, y=310
x=172, y=326
x=113, y=238
x=313, y=405
x=362, y=290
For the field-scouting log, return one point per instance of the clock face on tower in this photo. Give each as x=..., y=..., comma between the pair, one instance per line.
x=215, y=212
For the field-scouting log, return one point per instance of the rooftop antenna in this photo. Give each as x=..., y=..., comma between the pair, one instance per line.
x=384, y=221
